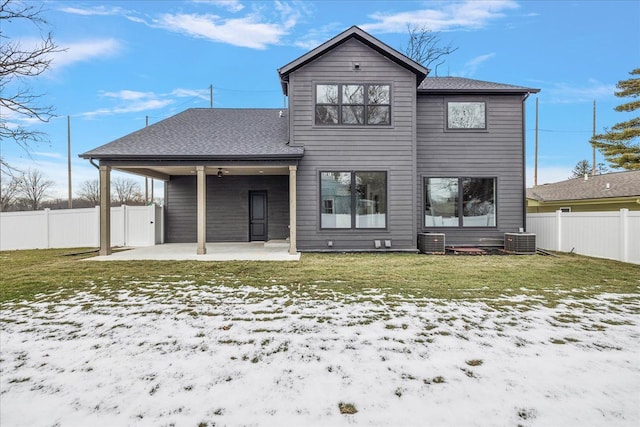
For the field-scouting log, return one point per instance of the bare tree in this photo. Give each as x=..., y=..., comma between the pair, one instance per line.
x=17, y=64
x=90, y=191
x=423, y=47
x=8, y=193
x=33, y=187
x=126, y=191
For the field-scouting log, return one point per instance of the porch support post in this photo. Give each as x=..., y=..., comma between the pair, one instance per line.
x=293, y=249
x=105, y=210
x=202, y=210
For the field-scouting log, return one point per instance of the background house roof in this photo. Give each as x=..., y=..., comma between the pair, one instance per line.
x=621, y=184
x=463, y=85
x=364, y=37
x=207, y=133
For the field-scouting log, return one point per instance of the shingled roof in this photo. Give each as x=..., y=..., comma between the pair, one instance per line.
x=463, y=85
x=619, y=184
x=210, y=133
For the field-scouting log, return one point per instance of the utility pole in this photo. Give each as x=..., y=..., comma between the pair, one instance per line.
x=69, y=160
x=593, y=170
x=210, y=96
x=146, y=179
x=535, y=167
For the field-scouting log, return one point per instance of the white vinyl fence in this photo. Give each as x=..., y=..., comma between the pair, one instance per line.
x=71, y=228
x=613, y=235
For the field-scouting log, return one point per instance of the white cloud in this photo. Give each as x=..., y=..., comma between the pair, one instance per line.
x=316, y=36
x=131, y=101
x=92, y=11
x=85, y=50
x=471, y=67
x=186, y=93
x=129, y=95
x=135, y=107
x=243, y=32
x=475, y=62
x=571, y=92
x=51, y=155
x=230, y=5
x=468, y=14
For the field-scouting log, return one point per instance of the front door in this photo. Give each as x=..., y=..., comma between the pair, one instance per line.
x=257, y=215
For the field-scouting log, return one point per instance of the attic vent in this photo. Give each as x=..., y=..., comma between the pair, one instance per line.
x=280, y=113
x=520, y=243
x=431, y=243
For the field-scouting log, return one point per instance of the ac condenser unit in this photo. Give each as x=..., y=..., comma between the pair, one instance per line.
x=520, y=243
x=431, y=243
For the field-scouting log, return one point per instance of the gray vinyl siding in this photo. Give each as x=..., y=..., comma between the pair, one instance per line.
x=227, y=207
x=495, y=152
x=355, y=148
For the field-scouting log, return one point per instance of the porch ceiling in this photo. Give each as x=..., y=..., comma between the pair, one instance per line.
x=164, y=172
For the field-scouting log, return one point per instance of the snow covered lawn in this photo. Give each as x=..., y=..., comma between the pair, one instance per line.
x=293, y=355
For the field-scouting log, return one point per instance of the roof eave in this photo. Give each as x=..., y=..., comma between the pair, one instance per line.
x=364, y=37
x=128, y=157
x=479, y=91
x=591, y=201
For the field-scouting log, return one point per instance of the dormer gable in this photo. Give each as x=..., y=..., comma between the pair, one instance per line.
x=352, y=33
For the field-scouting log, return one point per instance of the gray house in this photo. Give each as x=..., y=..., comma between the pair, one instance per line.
x=369, y=150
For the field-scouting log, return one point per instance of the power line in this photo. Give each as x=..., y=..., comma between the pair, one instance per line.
x=560, y=131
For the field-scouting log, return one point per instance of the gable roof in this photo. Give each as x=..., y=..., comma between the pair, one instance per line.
x=364, y=37
x=464, y=85
x=621, y=184
x=210, y=133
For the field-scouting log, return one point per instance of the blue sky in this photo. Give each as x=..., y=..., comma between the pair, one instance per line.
x=126, y=60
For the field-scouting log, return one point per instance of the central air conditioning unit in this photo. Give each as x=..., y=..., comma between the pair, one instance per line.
x=520, y=243
x=431, y=243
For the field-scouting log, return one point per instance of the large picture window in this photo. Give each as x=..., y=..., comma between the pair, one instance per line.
x=353, y=104
x=459, y=202
x=466, y=115
x=353, y=200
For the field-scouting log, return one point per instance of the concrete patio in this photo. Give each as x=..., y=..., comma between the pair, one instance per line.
x=243, y=251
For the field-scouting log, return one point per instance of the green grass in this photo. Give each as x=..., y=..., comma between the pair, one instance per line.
x=23, y=274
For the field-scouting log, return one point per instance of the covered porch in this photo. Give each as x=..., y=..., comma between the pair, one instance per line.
x=195, y=153
x=215, y=202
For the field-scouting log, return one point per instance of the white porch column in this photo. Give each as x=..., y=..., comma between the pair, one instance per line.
x=105, y=210
x=202, y=210
x=293, y=249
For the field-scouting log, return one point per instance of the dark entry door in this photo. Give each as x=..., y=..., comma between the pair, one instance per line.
x=258, y=215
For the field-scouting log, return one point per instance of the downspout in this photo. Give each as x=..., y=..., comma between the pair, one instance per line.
x=288, y=109
x=94, y=165
x=524, y=162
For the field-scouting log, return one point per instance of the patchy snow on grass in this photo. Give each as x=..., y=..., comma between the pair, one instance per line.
x=279, y=356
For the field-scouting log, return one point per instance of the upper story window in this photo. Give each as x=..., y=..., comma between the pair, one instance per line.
x=466, y=115
x=353, y=104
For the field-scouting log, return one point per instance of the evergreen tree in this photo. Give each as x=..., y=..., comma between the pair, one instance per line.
x=620, y=145
x=583, y=167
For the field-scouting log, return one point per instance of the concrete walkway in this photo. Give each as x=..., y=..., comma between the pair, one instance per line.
x=252, y=251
